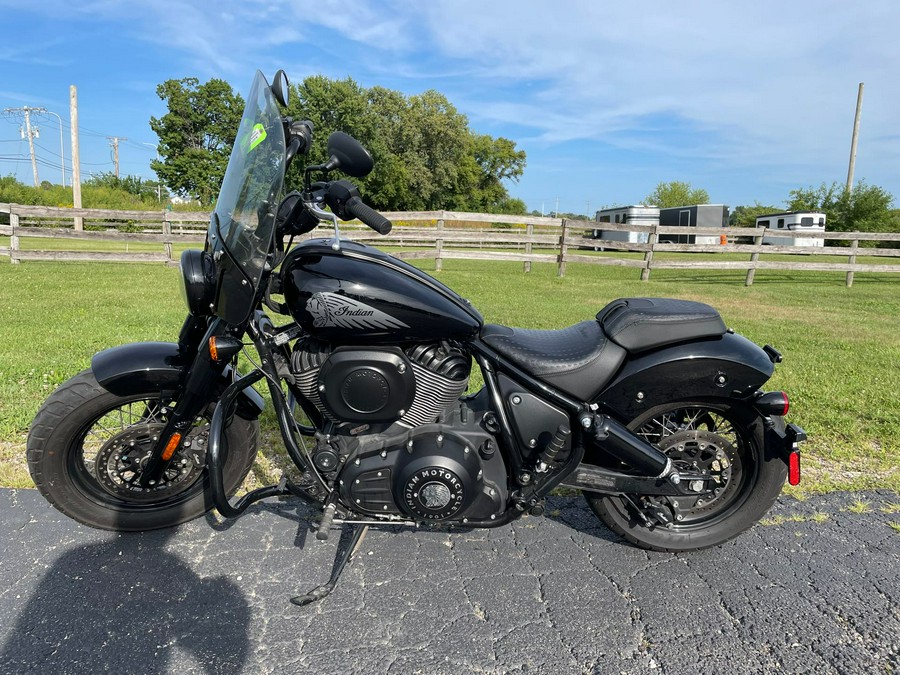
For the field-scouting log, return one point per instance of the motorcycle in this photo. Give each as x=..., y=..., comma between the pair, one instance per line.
x=653, y=408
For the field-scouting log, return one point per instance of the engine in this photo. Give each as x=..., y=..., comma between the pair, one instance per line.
x=404, y=444
x=380, y=385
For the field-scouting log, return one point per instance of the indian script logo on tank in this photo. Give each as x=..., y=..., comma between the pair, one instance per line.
x=333, y=310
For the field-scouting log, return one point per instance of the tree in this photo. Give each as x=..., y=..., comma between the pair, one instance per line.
x=426, y=157
x=745, y=216
x=867, y=208
x=133, y=185
x=196, y=135
x=676, y=193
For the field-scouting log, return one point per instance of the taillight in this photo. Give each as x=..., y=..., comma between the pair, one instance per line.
x=773, y=403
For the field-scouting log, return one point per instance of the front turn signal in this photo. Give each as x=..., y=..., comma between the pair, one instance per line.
x=221, y=349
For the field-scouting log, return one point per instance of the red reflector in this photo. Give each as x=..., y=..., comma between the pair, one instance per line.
x=794, y=468
x=787, y=406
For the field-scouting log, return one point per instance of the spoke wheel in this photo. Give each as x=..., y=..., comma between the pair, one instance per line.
x=721, y=440
x=87, y=449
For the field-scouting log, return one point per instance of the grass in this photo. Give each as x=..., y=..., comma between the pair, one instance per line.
x=841, y=345
x=860, y=506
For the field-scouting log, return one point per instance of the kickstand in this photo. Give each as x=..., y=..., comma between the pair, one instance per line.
x=340, y=562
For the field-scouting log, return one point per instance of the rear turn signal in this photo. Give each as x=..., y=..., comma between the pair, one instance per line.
x=794, y=468
x=773, y=403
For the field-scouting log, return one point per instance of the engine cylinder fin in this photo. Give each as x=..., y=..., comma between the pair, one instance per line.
x=434, y=393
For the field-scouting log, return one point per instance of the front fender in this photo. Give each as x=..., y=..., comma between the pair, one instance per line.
x=142, y=367
x=728, y=367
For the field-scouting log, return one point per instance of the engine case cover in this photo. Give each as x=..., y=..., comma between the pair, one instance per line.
x=431, y=486
x=431, y=473
x=360, y=385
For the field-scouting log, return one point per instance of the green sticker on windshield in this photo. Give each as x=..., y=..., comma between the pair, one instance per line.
x=257, y=136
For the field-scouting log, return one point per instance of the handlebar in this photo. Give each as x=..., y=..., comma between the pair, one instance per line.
x=359, y=209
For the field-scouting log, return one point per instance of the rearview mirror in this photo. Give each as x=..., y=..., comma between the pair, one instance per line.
x=281, y=88
x=348, y=154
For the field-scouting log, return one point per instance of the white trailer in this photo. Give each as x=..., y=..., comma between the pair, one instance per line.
x=782, y=227
x=626, y=215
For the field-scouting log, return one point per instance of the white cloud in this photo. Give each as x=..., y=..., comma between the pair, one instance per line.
x=748, y=83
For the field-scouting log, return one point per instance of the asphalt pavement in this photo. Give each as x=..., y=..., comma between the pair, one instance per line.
x=813, y=590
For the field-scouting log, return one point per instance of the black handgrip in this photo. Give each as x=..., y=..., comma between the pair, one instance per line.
x=359, y=209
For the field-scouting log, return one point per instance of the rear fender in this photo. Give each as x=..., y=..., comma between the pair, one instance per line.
x=143, y=367
x=729, y=367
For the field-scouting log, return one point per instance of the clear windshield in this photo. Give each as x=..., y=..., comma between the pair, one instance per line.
x=244, y=219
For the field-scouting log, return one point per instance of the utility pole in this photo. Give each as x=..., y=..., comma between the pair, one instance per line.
x=76, y=157
x=859, y=98
x=114, y=142
x=29, y=132
x=31, y=145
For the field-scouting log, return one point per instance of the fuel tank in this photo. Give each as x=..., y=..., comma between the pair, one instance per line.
x=360, y=294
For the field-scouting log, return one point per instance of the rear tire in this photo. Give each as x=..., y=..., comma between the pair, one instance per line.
x=751, y=481
x=86, y=444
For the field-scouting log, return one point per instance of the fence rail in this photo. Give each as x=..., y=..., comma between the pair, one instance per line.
x=449, y=235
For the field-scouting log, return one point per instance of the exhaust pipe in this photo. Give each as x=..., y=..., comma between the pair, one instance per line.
x=621, y=443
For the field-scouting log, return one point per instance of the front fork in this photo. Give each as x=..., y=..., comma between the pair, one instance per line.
x=196, y=391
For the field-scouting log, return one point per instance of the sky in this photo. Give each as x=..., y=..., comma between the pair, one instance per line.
x=746, y=100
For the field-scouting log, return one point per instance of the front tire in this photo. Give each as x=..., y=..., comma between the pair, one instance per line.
x=85, y=449
x=724, y=439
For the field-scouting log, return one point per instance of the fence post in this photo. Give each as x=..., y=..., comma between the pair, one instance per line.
x=648, y=255
x=563, y=249
x=854, y=247
x=167, y=232
x=439, y=245
x=14, y=238
x=754, y=257
x=529, y=232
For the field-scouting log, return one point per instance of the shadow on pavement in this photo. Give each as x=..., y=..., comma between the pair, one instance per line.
x=128, y=605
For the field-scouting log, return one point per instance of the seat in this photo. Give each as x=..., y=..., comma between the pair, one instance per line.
x=578, y=360
x=640, y=324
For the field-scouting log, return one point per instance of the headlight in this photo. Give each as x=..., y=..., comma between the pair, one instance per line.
x=198, y=281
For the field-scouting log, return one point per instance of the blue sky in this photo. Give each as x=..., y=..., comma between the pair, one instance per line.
x=746, y=100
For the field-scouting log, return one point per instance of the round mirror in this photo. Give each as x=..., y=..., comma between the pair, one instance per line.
x=280, y=88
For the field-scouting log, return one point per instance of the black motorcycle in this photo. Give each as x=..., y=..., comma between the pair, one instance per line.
x=653, y=408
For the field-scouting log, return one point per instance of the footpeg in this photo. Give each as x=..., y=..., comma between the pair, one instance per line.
x=325, y=523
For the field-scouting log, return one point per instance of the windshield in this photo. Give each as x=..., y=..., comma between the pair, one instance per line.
x=243, y=222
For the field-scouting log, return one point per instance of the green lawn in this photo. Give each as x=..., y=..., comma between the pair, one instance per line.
x=841, y=345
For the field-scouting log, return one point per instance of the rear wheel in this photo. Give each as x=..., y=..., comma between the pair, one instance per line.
x=723, y=440
x=87, y=448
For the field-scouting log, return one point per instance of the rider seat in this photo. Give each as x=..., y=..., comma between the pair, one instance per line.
x=578, y=360
x=581, y=359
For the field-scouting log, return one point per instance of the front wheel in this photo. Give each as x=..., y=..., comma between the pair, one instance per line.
x=87, y=447
x=723, y=440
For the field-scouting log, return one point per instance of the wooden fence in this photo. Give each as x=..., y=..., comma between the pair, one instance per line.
x=449, y=235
